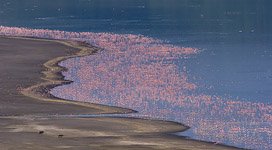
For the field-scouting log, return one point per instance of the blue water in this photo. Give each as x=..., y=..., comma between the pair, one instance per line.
x=235, y=36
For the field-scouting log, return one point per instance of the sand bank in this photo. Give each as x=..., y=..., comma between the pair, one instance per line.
x=29, y=70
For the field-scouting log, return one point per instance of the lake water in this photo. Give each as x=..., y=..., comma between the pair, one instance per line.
x=204, y=63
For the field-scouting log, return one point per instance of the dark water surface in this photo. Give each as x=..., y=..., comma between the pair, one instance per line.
x=224, y=91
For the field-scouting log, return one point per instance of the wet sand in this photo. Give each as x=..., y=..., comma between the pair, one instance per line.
x=28, y=70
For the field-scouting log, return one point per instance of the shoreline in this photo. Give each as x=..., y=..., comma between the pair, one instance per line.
x=52, y=77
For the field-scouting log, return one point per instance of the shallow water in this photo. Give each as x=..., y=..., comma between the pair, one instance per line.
x=219, y=83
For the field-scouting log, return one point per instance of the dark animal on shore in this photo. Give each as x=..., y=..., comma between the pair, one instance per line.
x=60, y=135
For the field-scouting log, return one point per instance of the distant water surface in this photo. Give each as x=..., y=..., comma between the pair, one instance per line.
x=223, y=91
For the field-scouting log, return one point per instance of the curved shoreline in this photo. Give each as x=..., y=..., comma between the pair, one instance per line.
x=53, y=78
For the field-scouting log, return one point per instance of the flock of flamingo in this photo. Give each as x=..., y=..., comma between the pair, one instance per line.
x=140, y=73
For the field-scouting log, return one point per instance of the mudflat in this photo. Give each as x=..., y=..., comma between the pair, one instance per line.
x=31, y=118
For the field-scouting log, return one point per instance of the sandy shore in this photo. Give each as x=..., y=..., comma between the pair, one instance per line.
x=28, y=70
